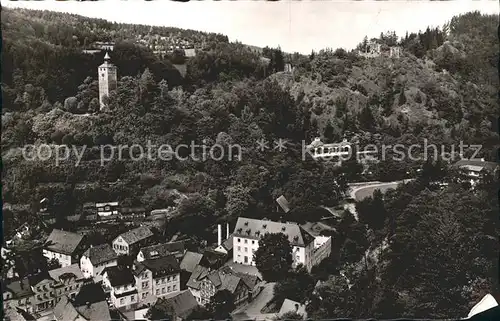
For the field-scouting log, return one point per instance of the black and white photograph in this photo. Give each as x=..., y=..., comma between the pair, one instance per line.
x=250, y=160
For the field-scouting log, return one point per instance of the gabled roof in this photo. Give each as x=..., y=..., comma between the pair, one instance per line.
x=222, y=279
x=119, y=276
x=70, y=271
x=136, y=235
x=190, y=261
x=63, y=242
x=255, y=229
x=40, y=279
x=160, y=250
x=229, y=282
x=65, y=311
x=182, y=304
x=250, y=280
x=89, y=293
x=162, y=266
x=19, y=288
x=213, y=259
x=199, y=273
x=228, y=243
x=95, y=311
x=100, y=254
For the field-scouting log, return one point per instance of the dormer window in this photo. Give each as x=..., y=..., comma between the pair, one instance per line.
x=248, y=231
x=239, y=230
x=295, y=238
x=246, y=223
x=257, y=233
x=264, y=226
x=283, y=228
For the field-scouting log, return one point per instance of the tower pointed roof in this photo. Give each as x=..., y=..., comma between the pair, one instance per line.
x=107, y=61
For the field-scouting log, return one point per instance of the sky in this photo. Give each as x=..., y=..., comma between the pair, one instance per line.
x=296, y=26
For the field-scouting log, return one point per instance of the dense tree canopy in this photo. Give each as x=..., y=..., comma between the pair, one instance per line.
x=443, y=89
x=273, y=258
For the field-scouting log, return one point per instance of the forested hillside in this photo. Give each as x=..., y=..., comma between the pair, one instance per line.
x=443, y=88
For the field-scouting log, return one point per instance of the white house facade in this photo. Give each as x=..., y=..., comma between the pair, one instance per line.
x=131, y=241
x=95, y=259
x=120, y=284
x=63, y=246
x=248, y=231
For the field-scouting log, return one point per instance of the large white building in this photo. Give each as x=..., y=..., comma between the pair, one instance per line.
x=247, y=233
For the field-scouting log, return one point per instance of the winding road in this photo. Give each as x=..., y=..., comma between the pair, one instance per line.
x=360, y=191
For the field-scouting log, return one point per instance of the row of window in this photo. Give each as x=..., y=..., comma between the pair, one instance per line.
x=168, y=289
x=246, y=249
x=118, y=288
x=122, y=300
x=120, y=247
x=44, y=288
x=246, y=241
x=167, y=279
x=58, y=255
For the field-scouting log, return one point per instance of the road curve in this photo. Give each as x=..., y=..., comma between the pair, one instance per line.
x=360, y=192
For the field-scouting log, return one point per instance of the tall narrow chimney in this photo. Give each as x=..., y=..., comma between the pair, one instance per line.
x=227, y=232
x=219, y=235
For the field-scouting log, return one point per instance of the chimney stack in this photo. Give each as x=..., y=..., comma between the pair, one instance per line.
x=219, y=235
x=227, y=232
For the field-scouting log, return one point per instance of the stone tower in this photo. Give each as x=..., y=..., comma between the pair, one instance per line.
x=107, y=80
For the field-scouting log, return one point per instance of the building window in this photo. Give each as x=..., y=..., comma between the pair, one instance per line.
x=246, y=249
x=145, y=275
x=169, y=289
x=157, y=282
x=122, y=301
x=145, y=284
x=239, y=240
x=132, y=298
x=253, y=242
x=144, y=295
x=246, y=241
x=239, y=248
x=163, y=290
x=163, y=280
x=157, y=291
x=174, y=288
